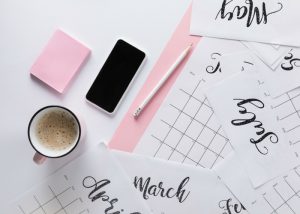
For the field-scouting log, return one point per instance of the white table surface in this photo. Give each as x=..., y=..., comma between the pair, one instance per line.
x=25, y=28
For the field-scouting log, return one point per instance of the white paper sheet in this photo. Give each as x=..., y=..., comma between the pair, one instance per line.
x=265, y=21
x=173, y=188
x=283, y=79
x=287, y=75
x=185, y=129
x=251, y=126
x=93, y=183
x=286, y=107
x=270, y=55
x=279, y=196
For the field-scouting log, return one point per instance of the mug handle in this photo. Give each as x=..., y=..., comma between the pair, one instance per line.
x=38, y=158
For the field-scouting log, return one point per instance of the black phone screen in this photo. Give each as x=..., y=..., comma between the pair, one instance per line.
x=115, y=76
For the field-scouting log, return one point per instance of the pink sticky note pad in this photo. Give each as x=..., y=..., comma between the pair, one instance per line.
x=60, y=60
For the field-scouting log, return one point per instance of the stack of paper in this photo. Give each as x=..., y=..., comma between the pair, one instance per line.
x=235, y=106
x=258, y=106
x=93, y=183
x=262, y=145
x=102, y=181
x=266, y=27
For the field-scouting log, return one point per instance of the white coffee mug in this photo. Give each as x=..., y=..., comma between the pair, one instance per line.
x=42, y=151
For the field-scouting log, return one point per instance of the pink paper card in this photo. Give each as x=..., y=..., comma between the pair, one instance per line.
x=131, y=130
x=60, y=60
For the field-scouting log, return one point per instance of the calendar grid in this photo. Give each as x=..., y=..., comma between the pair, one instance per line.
x=194, y=140
x=172, y=126
x=184, y=133
x=40, y=206
x=206, y=155
x=288, y=101
x=204, y=124
x=176, y=150
x=292, y=102
x=285, y=201
x=218, y=155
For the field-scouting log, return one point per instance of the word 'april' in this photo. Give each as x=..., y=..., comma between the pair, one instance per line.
x=248, y=11
x=98, y=192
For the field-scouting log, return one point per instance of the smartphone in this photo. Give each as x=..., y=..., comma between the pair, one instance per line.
x=115, y=76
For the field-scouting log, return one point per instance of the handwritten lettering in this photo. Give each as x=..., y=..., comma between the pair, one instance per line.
x=246, y=64
x=230, y=207
x=261, y=133
x=98, y=193
x=147, y=189
x=247, y=11
x=211, y=69
x=290, y=62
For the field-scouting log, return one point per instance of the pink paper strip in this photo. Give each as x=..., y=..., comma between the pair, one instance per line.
x=131, y=130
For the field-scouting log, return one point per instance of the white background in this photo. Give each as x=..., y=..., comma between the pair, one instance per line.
x=25, y=28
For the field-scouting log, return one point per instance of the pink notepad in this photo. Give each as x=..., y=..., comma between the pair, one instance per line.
x=60, y=60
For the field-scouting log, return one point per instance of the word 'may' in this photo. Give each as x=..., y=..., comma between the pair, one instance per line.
x=247, y=11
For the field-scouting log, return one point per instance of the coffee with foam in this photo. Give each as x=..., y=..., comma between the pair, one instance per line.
x=57, y=130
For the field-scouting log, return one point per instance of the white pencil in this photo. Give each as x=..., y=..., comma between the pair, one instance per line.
x=162, y=81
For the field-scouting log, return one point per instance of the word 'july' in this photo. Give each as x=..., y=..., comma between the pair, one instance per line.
x=98, y=192
x=251, y=119
x=147, y=189
x=248, y=12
